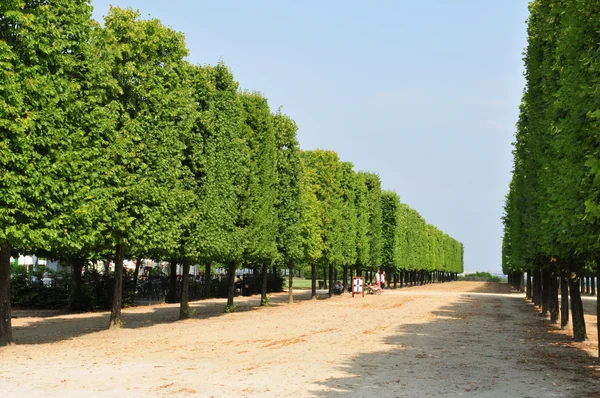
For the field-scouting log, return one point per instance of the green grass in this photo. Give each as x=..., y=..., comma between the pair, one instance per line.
x=299, y=283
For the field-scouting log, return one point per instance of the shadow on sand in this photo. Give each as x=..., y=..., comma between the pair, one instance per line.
x=488, y=345
x=46, y=326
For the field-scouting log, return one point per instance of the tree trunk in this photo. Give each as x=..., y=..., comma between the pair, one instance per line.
x=564, y=298
x=172, y=296
x=254, y=279
x=138, y=264
x=184, y=307
x=330, y=280
x=231, y=279
x=577, y=317
x=263, y=290
x=115, y=312
x=5, y=321
x=345, y=277
x=76, y=300
x=545, y=291
x=522, y=282
x=537, y=287
x=313, y=271
x=553, y=306
x=593, y=285
x=207, y=279
x=325, y=277
x=291, y=284
x=528, y=292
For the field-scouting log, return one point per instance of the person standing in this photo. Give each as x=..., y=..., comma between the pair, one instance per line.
x=378, y=278
x=383, y=279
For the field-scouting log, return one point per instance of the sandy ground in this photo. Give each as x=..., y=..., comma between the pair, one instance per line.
x=452, y=339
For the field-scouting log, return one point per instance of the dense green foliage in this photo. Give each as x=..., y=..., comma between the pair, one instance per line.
x=214, y=156
x=550, y=221
x=288, y=203
x=113, y=146
x=373, y=197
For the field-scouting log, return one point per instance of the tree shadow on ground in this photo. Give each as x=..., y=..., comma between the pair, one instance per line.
x=43, y=327
x=483, y=345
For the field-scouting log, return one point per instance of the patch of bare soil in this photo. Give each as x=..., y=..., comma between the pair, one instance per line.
x=451, y=339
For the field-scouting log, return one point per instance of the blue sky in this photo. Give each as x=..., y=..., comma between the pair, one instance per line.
x=424, y=93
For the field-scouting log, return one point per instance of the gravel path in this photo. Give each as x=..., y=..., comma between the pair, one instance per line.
x=452, y=339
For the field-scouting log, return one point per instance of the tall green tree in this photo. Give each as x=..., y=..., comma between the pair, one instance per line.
x=362, y=222
x=43, y=52
x=545, y=211
x=391, y=231
x=373, y=183
x=154, y=115
x=83, y=157
x=349, y=218
x=258, y=216
x=325, y=169
x=289, y=200
x=311, y=218
x=217, y=159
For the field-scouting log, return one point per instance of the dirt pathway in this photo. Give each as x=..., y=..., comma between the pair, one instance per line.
x=457, y=339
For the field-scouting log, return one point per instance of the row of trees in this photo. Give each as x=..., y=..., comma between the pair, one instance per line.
x=113, y=146
x=552, y=210
x=349, y=225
